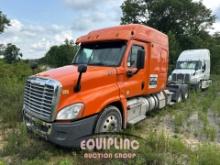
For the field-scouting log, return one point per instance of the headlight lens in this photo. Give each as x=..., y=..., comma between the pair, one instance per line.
x=169, y=78
x=70, y=112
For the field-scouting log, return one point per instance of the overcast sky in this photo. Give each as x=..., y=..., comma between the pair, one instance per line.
x=38, y=24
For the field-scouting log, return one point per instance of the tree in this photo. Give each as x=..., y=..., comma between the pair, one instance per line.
x=215, y=52
x=4, y=21
x=11, y=53
x=186, y=22
x=181, y=17
x=61, y=55
x=2, y=48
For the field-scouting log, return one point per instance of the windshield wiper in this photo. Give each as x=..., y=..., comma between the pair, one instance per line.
x=96, y=63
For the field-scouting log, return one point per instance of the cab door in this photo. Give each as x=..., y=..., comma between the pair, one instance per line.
x=135, y=81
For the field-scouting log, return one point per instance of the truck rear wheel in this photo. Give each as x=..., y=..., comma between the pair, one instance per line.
x=110, y=120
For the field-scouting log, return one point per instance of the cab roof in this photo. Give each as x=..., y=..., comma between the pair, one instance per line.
x=194, y=55
x=126, y=32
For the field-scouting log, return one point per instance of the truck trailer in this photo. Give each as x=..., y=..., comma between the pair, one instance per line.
x=118, y=75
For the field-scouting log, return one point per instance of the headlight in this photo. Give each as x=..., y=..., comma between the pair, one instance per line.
x=169, y=78
x=70, y=112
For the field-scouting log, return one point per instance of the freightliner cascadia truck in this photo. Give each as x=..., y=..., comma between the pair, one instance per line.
x=118, y=75
x=193, y=68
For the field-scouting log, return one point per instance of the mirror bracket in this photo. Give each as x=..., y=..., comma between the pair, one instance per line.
x=81, y=69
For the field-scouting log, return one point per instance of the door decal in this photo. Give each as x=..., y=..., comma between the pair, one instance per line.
x=153, y=81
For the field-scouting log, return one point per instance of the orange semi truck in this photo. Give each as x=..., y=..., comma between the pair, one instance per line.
x=118, y=75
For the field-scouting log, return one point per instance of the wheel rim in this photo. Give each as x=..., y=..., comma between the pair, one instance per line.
x=110, y=124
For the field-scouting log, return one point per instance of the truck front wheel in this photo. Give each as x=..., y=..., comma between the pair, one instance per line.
x=185, y=95
x=199, y=86
x=110, y=120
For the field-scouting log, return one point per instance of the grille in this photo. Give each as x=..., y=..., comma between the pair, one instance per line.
x=40, y=97
x=174, y=77
x=184, y=78
x=180, y=77
x=187, y=78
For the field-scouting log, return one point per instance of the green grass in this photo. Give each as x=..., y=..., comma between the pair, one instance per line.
x=2, y=162
x=208, y=155
x=210, y=133
x=179, y=119
x=12, y=79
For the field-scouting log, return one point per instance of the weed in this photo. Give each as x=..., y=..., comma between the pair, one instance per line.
x=34, y=162
x=208, y=154
x=2, y=163
x=203, y=117
x=179, y=120
x=16, y=139
x=12, y=79
x=22, y=145
x=210, y=133
x=216, y=105
x=65, y=162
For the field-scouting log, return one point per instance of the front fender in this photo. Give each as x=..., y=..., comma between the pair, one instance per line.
x=94, y=99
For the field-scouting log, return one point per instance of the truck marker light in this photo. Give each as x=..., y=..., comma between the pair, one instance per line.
x=127, y=93
x=65, y=92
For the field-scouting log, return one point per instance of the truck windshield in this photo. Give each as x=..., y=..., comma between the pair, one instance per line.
x=101, y=54
x=194, y=65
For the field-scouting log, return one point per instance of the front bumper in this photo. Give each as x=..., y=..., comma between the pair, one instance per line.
x=62, y=134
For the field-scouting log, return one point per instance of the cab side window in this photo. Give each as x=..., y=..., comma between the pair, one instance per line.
x=132, y=58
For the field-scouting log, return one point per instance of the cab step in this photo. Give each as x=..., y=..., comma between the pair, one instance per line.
x=137, y=119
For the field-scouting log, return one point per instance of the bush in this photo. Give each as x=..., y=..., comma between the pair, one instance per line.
x=12, y=78
x=208, y=155
x=25, y=146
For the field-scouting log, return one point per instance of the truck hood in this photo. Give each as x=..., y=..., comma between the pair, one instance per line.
x=183, y=71
x=59, y=73
x=68, y=75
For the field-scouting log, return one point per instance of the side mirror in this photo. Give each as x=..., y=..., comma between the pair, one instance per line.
x=34, y=66
x=204, y=68
x=140, y=59
x=130, y=73
x=81, y=69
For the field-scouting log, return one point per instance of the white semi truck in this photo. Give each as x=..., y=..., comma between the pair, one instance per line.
x=193, y=68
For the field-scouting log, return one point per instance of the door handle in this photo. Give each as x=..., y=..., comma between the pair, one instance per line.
x=142, y=85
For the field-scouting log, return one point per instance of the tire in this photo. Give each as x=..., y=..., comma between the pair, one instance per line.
x=185, y=95
x=179, y=98
x=110, y=120
x=199, y=87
